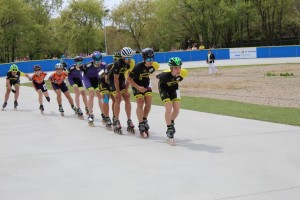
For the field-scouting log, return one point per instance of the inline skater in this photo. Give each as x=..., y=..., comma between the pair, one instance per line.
x=39, y=85
x=168, y=86
x=57, y=80
x=141, y=86
x=13, y=79
x=75, y=80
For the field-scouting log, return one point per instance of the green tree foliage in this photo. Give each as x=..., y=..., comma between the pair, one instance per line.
x=13, y=23
x=135, y=16
x=36, y=28
x=81, y=25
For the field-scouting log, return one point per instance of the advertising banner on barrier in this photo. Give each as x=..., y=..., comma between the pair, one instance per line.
x=240, y=53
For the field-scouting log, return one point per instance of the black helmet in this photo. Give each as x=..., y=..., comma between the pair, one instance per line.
x=117, y=54
x=78, y=59
x=97, y=56
x=64, y=64
x=37, y=67
x=147, y=53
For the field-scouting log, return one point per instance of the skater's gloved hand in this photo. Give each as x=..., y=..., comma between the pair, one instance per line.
x=30, y=79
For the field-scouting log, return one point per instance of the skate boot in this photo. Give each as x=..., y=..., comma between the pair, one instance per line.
x=130, y=126
x=173, y=125
x=91, y=120
x=79, y=113
x=103, y=118
x=61, y=110
x=170, y=135
x=75, y=109
x=4, y=105
x=42, y=109
x=86, y=111
x=146, y=124
x=143, y=130
x=108, y=124
x=15, y=104
x=117, y=127
x=48, y=99
x=113, y=119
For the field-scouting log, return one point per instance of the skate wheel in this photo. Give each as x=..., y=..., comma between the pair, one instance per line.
x=171, y=142
x=80, y=117
x=145, y=135
x=118, y=131
x=130, y=130
x=108, y=127
x=91, y=124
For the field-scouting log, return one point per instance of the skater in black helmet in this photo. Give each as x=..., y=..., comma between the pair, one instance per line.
x=39, y=85
x=106, y=93
x=170, y=95
x=75, y=80
x=139, y=80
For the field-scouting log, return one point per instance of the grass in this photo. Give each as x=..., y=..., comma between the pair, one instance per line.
x=274, y=114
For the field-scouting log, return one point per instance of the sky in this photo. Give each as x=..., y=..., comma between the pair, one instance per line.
x=109, y=4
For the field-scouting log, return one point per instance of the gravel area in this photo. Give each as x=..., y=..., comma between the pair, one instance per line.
x=246, y=84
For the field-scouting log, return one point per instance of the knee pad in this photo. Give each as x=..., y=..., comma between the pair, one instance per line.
x=106, y=98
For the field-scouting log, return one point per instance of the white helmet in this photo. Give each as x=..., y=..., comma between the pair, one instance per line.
x=126, y=52
x=59, y=66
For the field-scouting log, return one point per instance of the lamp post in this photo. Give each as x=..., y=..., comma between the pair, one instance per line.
x=105, y=42
x=298, y=23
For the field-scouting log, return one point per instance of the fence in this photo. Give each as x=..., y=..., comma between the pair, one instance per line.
x=221, y=54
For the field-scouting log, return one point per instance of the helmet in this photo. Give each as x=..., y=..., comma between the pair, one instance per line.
x=97, y=56
x=14, y=68
x=59, y=66
x=147, y=53
x=174, y=61
x=126, y=52
x=117, y=54
x=64, y=64
x=78, y=59
x=37, y=67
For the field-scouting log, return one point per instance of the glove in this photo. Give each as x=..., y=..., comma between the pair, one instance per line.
x=30, y=79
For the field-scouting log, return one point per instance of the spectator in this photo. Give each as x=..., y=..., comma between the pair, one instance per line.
x=211, y=62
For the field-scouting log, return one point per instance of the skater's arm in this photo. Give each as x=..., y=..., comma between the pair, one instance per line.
x=131, y=82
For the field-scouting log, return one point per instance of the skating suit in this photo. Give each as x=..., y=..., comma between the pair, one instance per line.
x=104, y=82
x=14, y=79
x=57, y=81
x=38, y=81
x=140, y=75
x=91, y=78
x=168, y=86
x=119, y=67
x=75, y=75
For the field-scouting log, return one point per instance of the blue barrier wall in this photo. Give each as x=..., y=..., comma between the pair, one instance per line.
x=221, y=54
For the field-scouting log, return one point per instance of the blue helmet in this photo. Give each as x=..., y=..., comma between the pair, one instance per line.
x=97, y=56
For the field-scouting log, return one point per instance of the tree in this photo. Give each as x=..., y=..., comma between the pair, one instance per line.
x=13, y=22
x=133, y=16
x=81, y=23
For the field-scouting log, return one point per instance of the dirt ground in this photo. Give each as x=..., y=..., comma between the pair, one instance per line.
x=246, y=84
